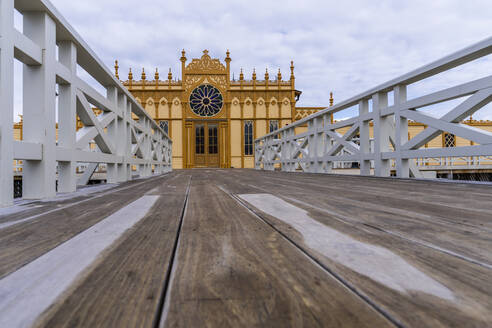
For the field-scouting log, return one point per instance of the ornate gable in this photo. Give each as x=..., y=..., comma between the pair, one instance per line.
x=205, y=65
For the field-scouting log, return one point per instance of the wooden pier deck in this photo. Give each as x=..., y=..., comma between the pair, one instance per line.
x=243, y=248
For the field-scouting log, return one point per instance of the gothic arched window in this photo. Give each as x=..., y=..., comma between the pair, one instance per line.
x=164, y=125
x=248, y=138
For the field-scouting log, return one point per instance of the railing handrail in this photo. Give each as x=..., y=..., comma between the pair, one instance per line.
x=53, y=53
x=475, y=51
x=84, y=51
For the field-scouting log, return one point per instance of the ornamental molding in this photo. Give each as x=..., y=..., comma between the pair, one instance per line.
x=191, y=81
x=220, y=80
x=205, y=65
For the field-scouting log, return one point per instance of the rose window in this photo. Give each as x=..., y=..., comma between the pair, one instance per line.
x=206, y=100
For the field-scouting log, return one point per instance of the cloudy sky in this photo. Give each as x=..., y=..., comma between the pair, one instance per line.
x=340, y=46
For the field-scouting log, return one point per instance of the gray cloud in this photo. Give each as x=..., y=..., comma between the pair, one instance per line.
x=340, y=46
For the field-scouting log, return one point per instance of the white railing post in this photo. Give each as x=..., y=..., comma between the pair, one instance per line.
x=128, y=143
x=319, y=144
x=382, y=128
x=67, y=117
x=6, y=102
x=290, y=150
x=311, y=160
x=113, y=133
x=39, y=176
x=326, y=144
x=401, y=132
x=122, y=138
x=364, y=138
x=284, y=150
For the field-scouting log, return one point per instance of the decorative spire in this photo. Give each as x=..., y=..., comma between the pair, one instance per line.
x=228, y=58
x=116, y=67
x=130, y=75
x=331, y=99
x=169, y=75
x=241, y=75
x=156, y=76
x=183, y=57
x=279, y=75
x=254, y=74
x=144, y=77
x=291, y=69
x=267, y=76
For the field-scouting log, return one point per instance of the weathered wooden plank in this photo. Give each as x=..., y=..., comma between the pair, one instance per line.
x=125, y=289
x=26, y=241
x=232, y=270
x=469, y=283
x=427, y=224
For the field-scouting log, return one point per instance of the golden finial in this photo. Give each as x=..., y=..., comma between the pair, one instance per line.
x=279, y=75
x=156, y=74
x=205, y=52
x=183, y=58
x=241, y=75
x=331, y=99
x=169, y=75
x=291, y=68
x=130, y=74
x=144, y=77
x=267, y=76
x=228, y=58
x=116, y=67
x=254, y=74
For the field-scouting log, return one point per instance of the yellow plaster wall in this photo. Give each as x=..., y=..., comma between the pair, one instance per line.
x=286, y=109
x=177, y=138
x=260, y=109
x=248, y=110
x=235, y=109
x=274, y=111
x=261, y=128
x=236, y=138
x=176, y=110
x=163, y=109
x=249, y=162
x=236, y=162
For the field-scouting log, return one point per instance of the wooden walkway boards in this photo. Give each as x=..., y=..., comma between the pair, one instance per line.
x=244, y=248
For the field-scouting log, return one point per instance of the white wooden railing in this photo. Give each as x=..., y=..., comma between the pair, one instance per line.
x=317, y=149
x=51, y=51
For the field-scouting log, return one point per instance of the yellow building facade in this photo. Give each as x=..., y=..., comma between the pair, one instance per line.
x=212, y=119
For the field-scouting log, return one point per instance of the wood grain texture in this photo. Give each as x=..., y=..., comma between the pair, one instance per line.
x=26, y=241
x=235, y=271
x=124, y=289
x=370, y=222
x=240, y=267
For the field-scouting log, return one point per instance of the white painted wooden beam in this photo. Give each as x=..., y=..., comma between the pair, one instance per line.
x=6, y=101
x=24, y=150
x=25, y=50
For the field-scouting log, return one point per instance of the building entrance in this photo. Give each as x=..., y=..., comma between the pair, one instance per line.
x=206, y=144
